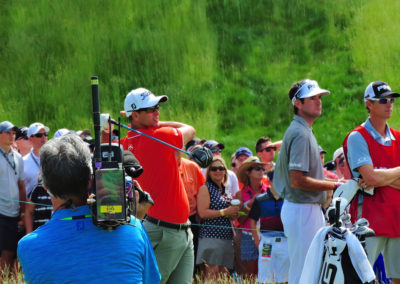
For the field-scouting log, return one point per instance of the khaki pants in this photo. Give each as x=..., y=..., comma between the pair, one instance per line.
x=174, y=253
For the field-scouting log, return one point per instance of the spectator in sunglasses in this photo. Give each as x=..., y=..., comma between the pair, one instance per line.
x=232, y=184
x=373, y=152
x=24, y=145
x=251, y=174
x=215, y=252
x=266, y=149
x=11, y=187
x=37, y=134
x=341, y=166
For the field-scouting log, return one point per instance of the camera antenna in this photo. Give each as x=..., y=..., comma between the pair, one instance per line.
x=96, y=121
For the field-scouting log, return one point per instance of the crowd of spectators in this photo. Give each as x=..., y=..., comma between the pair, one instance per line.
x=211, y=220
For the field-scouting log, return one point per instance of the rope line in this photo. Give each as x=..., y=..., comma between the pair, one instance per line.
x=199, y=225
x=239, y=228
x=27, y=202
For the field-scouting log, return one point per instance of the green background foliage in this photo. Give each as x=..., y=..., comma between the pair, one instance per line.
x=226, y=66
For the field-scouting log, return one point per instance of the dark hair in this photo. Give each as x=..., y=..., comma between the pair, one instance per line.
x=66, y=166
x=260, y=141
x=293, y=89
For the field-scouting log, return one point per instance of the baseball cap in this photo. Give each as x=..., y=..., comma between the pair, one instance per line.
x=35, y=128
x=243, y=151
x=211, y=144
x=309, y=88
x=61, y=132
x=192, y=143
x=321, y=150
x=140, y=98
x=378, y=90
x=337, y=153
x=21, y=133
x=6, y=126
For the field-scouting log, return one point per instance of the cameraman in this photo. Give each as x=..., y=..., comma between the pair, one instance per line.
x=69, y=248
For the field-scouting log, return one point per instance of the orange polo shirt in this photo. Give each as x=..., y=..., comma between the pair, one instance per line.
x=192, y=180
x=160, y=172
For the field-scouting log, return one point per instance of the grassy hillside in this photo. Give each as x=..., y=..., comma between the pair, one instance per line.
x=226, y=65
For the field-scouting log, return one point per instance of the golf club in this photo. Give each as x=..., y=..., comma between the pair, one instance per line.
x=202, y=156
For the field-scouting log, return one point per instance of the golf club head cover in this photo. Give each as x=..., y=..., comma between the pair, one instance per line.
x=202, y=156
x=131, y=164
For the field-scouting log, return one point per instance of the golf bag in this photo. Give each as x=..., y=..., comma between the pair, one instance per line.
x=337, y=253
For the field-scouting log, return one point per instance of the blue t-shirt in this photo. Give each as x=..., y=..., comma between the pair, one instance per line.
x=76, y=251
x=268, y=210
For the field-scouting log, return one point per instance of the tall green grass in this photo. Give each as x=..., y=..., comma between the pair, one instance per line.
x=226, y=65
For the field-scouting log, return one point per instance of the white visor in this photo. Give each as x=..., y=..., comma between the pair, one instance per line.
x=309, y=88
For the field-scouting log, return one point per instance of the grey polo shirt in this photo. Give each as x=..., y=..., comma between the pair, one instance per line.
x=299, y=152
x=9, y=178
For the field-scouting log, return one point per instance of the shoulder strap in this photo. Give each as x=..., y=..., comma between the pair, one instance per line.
x=345, y=149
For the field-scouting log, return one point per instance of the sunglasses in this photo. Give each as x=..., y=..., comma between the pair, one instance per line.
x=257, y=168
x=216, y=150
x=150, y=109
x=268, y=149
x=383, y=101
x=40, y=135
x=214, y=169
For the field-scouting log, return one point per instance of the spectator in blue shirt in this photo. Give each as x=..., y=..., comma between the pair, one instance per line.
x=69, y=248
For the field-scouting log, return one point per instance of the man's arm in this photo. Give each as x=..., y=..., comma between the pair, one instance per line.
x=22, y=194
x=380, y=177
x=276, y=144
x=254, y=233
x=300, y=180
x=187, y=131
x=28, y=219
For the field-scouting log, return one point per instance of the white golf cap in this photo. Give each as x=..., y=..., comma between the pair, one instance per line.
x=61, y=132
x=337, y=153
x=378, y=90
x=35, y=128
x=141, y=98
x=6, y=126
x=309, y=88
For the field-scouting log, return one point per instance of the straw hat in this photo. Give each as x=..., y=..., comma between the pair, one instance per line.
x=247, y=164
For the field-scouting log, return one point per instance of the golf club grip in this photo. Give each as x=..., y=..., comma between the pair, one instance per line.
x=96, y=117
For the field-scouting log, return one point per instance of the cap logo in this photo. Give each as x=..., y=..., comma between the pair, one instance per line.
x=133, y=106
x=145, y=95
x=383, y=87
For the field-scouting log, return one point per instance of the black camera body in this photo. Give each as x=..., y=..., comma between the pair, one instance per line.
x=110, y=207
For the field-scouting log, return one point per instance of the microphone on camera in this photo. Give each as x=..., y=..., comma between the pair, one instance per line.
x=131, y=164
x=134, y=169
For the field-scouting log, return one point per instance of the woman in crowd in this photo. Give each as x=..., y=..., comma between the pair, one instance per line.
x=215, y=251
x=251, y=174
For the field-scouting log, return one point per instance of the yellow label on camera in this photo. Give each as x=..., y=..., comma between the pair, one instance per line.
x=110, y=209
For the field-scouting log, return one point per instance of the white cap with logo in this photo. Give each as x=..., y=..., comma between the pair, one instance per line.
x=379, y=90
x=309, y=88
x=141, y=98
x=35, y=128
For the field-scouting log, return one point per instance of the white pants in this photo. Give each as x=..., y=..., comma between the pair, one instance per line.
x=273, y=268
x=301, y=223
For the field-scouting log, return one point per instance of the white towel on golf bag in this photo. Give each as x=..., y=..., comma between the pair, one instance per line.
x=313, y=262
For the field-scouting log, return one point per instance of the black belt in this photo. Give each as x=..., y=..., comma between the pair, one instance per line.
x=169, y=225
